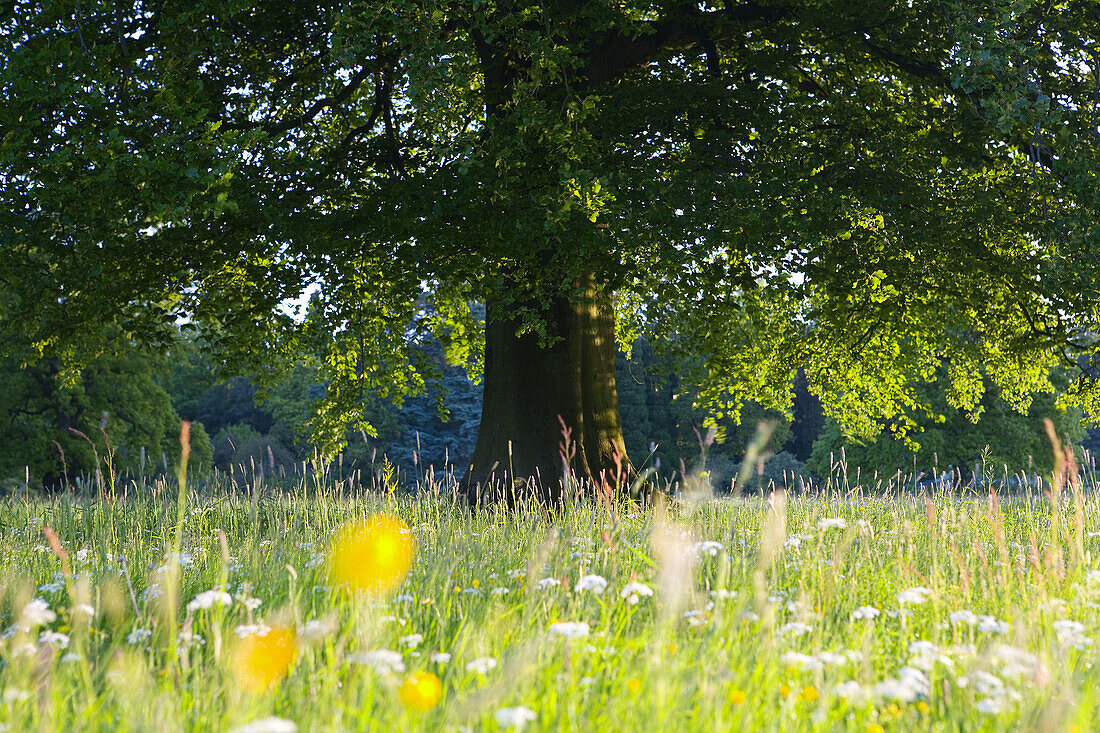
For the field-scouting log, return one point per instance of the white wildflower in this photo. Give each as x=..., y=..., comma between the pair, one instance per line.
x=851, y=691
x=267, y=725
x=707, y=547
x=208, y=598
x=516, y=717
x=441, y=658
x=992, y=625
x=54, y=638
x=411, y=641
x=914, y=596
x=827, y=523
x=482, y=665
x=594, y=583
x=963, y=617
x=246, y=630
x=634, y=591
x=380, y=660
x=909, y=685
x=36, y=613
x=547, y=583
x=865, y=613
x=795, y=628
x=570, y=629
x=804, y=661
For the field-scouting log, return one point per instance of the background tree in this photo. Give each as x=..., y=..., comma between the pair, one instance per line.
x=771, y=185
x=994, y=434
x=125, y=420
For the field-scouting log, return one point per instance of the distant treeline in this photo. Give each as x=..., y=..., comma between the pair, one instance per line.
x=121, y=414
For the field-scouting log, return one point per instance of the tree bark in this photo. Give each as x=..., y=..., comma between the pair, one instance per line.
x=550, y=415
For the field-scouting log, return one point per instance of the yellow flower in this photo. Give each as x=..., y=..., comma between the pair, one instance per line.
x=634, y=684
x=784, y=690
x=875, y=728
x=809, y=693
x=373, y=555
x=737, y=697
x=259, y=661
x=923, y=707
x=671, y=648
x=421, y=691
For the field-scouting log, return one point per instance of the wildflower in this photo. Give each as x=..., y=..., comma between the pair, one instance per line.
x=708, y=547
x=208, y=598
x=1017, y=663
x=594, y=583
x=385, y=661
x=36, y=613
x=737, y=697
x=441, y=657
x=315, y=630
x=795, y=628
x=989, y=706
x=1071, y=633
x=851, y=691
x=54, y=638
x=373, y=555
x=84, y=608
x=260, y=661
x=963, y=617
x=570, y=629
x=250, y=603
x=411, y=641
x=827, y=523
x=992, y=625
x=55, y=586
x=809, y=693
x=797, y=659
x=420, y=691
x=784, y=690
x=482, y=665
x=910, y=684
x=925, y=655
x=634, y=685
x=516, y=717
x=695, y=618
x=914, y=596
x=138, y=636
x=633, y=591
x=875, y=728
x=546, y=583
x=865, y=613
x=267, y=725
x=246, y=630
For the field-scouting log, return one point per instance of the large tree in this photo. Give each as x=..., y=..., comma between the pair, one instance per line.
x=867, y=189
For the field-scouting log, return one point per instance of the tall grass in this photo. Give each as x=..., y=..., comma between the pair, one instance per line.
x=836, y=609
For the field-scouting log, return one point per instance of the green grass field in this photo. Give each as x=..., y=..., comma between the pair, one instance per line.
x=823, y=612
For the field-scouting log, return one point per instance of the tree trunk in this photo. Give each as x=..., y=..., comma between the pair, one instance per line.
x=550, y=416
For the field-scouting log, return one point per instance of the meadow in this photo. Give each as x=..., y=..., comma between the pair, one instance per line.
x=831, y=609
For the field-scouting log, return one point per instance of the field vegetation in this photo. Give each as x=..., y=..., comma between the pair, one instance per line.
x=235, y=608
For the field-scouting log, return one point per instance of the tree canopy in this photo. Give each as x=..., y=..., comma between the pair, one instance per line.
x=868, y=190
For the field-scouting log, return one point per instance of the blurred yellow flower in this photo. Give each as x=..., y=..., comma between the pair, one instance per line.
x=634, y=684
x=373, y=555
x=737, y=697
x=421, y=691
x=809, y=693
x=875, y=728
x=923, y=708
x=259, y=661
x=784, y=690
